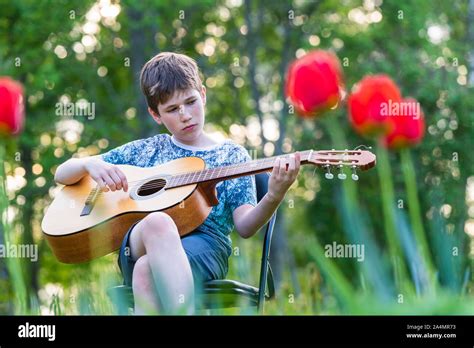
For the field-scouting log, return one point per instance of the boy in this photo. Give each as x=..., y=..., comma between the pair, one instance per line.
x=162, y=268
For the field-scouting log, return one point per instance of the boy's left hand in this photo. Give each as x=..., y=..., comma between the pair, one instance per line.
x=283, y=175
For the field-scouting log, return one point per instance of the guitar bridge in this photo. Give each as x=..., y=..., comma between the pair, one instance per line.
x=90, y=201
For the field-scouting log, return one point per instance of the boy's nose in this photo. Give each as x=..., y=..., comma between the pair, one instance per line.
x=184, y=114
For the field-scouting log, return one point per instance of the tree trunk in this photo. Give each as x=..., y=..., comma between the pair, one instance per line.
x=30, y=267
x=251, y=50
x=281, y=256
x=138, y=40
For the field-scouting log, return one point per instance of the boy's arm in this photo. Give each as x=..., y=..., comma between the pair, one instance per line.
x=248, y=219
x=107, y=176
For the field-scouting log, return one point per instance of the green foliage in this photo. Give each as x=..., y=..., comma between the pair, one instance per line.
x=318, y=212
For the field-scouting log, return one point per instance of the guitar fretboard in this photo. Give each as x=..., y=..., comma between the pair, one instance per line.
x=229, y=172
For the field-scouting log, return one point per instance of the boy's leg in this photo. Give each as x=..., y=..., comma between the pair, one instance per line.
x=157, y=236
x=144, y=290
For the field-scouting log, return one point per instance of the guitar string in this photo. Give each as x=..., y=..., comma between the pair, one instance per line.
x=261, y=163
x=151, y=185
x=192, y=174
x=266, y=161
x=240, y=165
x=245, y=164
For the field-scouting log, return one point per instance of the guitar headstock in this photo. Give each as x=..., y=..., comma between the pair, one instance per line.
x=339, y=159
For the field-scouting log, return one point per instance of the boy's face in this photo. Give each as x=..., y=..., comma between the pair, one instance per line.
x=183, y=114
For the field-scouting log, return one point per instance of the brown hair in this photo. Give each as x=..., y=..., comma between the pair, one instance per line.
x=166, y=73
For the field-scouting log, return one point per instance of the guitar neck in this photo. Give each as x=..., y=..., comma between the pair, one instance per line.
x=230, y=172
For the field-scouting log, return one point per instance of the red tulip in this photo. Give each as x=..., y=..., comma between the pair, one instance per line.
x=12, y=111
x=407, y=128
x=314, y=82
x=369, y=105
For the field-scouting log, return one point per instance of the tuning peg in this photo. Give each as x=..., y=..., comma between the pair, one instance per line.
x=328, y=174
x=354, y=175
x=364, y=146
x=341, y=174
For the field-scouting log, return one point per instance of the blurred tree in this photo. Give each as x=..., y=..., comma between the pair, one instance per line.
x=92, y=51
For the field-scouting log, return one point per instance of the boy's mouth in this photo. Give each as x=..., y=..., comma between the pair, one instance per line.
x=190, y=127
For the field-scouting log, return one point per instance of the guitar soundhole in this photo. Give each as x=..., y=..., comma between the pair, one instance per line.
x=151, y=187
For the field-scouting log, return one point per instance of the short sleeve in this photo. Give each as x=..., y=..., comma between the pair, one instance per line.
x=241, y=190
x=124, y=154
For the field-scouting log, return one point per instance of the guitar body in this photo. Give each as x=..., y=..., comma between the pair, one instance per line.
x=76, y=238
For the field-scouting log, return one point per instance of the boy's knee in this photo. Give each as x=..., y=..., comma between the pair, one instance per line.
x=159, y=225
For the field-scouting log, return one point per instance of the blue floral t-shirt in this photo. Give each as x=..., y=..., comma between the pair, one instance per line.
x=233, y=193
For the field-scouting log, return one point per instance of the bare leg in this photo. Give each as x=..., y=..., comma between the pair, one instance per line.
x=158, y=238
x=144, y=291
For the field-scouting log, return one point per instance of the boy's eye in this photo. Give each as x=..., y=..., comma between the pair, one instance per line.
x=177, y=108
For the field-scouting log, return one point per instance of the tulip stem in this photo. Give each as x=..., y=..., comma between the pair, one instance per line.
x=13, y=264
x=388, y=203
x=415, y=211
x=360, y=232
x=338, y=138
x=342, y=287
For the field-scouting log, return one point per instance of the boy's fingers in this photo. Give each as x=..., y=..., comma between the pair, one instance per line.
x=276, y=164
x=297, y=164
x=292, y=164
x=282, y=166
x=276, y=167
x=298, y=161
x=123, y=178
x=117, y=180
x=110, y=183
x=101, y=184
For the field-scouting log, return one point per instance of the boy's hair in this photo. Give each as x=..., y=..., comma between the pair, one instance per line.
x=166, y=73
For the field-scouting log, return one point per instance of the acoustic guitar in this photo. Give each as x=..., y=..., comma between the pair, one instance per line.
x=84, y=222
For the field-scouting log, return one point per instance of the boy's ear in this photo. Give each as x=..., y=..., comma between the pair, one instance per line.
x=155, y=115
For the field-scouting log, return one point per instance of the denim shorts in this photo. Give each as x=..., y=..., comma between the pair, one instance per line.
x=207, y=257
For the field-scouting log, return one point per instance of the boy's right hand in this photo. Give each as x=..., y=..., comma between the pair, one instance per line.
x=107, y=176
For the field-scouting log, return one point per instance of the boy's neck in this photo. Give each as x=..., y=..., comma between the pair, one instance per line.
x=202, y=141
